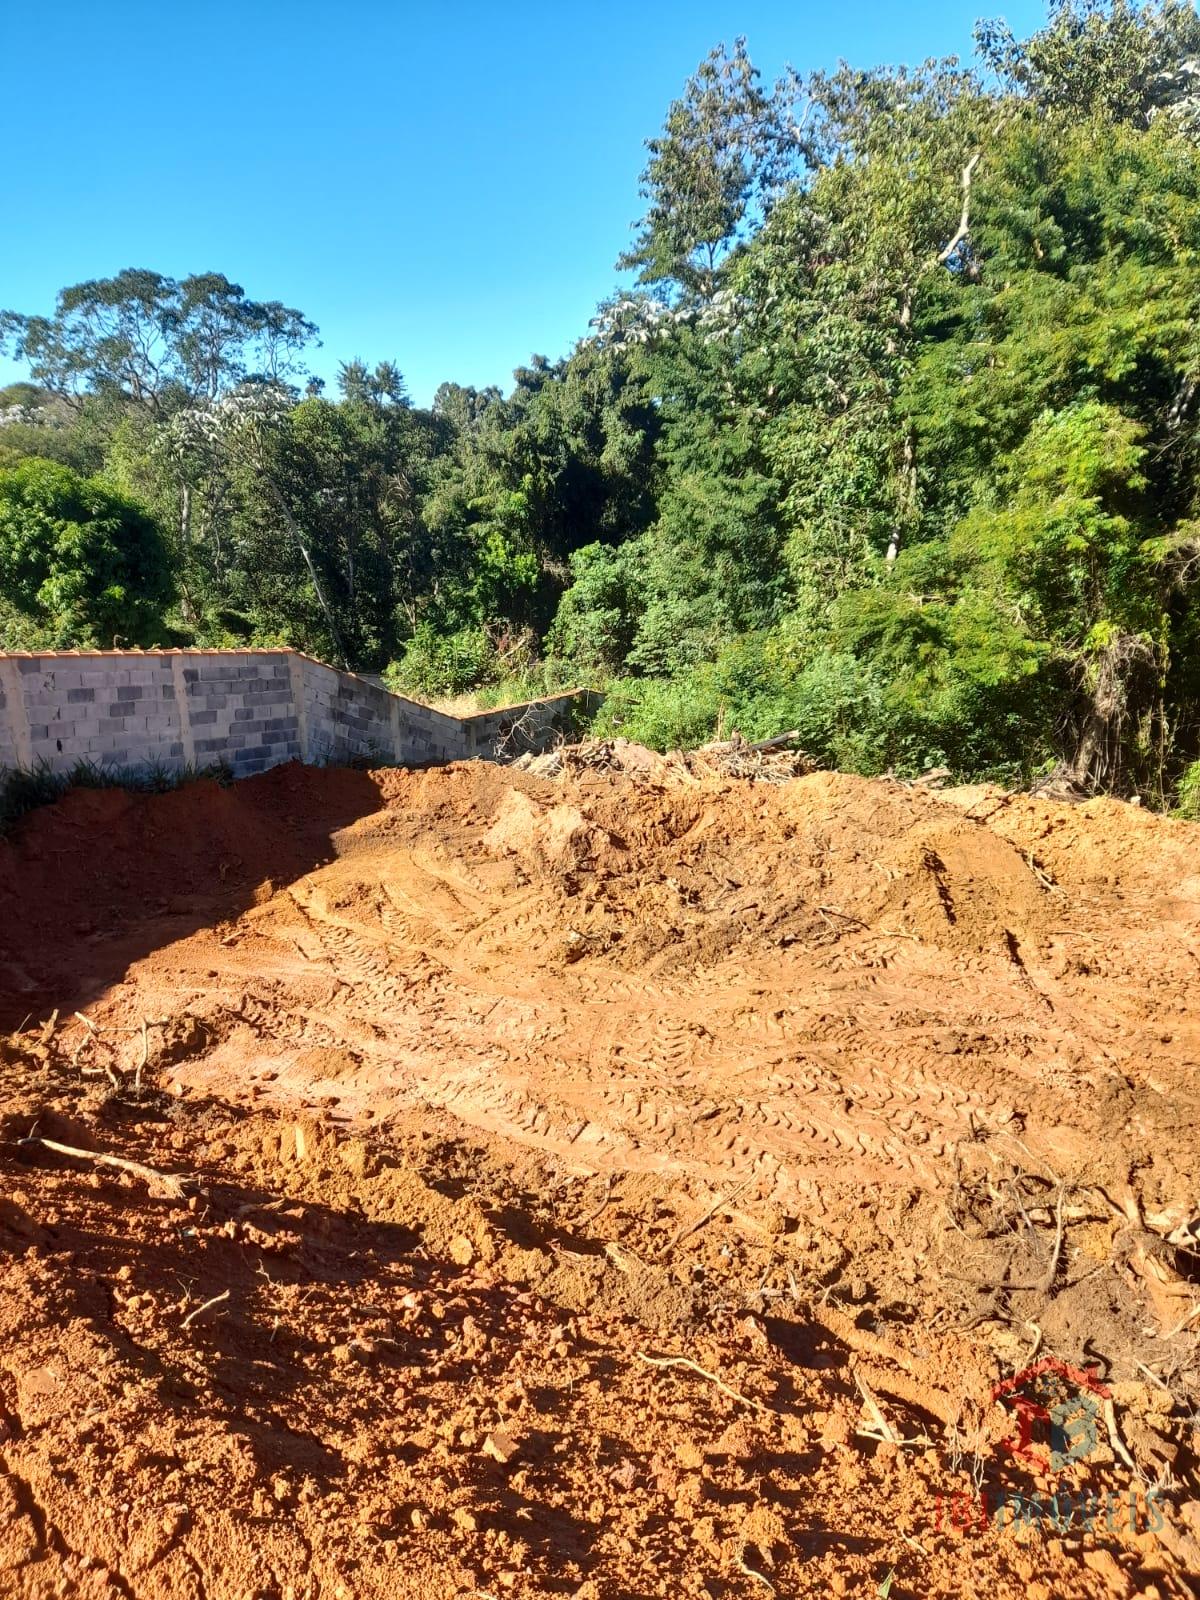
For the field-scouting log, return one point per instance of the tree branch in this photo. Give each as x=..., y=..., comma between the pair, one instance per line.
x=964, y=221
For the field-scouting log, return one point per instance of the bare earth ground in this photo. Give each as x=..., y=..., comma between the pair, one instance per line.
x=497, y=1100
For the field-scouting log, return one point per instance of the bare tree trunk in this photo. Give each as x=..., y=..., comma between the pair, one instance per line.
x=906, y=511
x=185, y=549
x=1089, y=765
x=1120, y=686
x=964, y=221
x=302, y=545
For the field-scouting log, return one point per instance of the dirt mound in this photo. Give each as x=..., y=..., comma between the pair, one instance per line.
x=773, y=761
x=961, y=886
x=1103, y=841
x=556, y=837
x=80, y=879
x=621, y=1182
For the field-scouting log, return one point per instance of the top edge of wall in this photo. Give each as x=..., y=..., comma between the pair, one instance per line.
x=250, y=650
x=522, y=705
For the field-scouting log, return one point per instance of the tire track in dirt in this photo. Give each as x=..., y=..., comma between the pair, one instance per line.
x=652, y=1090
x=847, y=1008
x=562, y=969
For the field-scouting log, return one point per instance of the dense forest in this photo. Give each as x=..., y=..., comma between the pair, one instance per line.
x=895, y=440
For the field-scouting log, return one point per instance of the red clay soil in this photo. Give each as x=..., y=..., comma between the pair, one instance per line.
x=631, y=1184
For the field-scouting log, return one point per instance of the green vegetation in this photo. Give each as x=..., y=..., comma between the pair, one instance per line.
x=79, y=564
x=895, y=440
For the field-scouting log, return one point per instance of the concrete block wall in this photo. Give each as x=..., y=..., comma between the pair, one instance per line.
x=112, y=710
x=248, y=710
x=347, y=718
x=11, y=755
x=237, y=708
x=510, y=731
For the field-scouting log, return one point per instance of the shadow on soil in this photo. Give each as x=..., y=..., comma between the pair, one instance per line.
x=103, y=877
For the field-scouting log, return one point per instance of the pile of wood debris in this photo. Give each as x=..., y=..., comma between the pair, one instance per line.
x=770, y=761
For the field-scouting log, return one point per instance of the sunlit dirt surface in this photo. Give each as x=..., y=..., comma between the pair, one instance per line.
x=495, y=1099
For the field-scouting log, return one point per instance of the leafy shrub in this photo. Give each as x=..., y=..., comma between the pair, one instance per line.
x=597, y=616
x=82, y=563
x=1187, y=803
x=664, y=713
x=444, y=664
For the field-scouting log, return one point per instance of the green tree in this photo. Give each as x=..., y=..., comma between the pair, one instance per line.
x=1113, y=58
x=156, y=341
x=85, y=566
x=566, y=460
x=722, y=149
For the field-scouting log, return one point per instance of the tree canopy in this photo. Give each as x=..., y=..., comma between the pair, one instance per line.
x=890, y=437
x=78, y=561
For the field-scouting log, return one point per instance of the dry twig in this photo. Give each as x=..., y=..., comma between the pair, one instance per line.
x=166, y=1184
x=141, y=1066
x=684, y=1361
x=92, y=1040
x=1046, y=882
x=752, y=1572
x=1051, y=1272
x=1180, y=1326
x=694, y=1227
x=1154, y=1377
x=878, y=1415
x=1114, y=1438
x=888, y=933
x=604, y=1199
x=216, y=1300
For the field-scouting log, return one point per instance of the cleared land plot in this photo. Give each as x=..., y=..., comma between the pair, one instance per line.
x=497, y=1095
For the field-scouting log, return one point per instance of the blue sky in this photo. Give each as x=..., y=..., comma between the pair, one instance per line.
x=445, y=185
